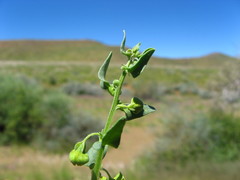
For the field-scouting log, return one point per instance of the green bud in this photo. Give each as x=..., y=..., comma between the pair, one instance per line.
x=136, y=48
x=129, y=51
x=140, y=62
x=80, y=146
x=136, y=104
x=78, y=158
x=111, y=90
x=116, y=83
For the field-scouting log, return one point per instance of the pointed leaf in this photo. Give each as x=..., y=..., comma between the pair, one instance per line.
x=102, y=72
x=80, y=146
x=122, y=47
x=133, y=115
x=136, y=100
x=137, y=104
x=93, y=152
x=136, y=48
x=137, y=68
x=113, y=135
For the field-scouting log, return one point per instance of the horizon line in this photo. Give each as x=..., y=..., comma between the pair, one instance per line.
x=113, y=45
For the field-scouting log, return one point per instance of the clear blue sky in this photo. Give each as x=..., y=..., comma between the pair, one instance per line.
x=176, y=28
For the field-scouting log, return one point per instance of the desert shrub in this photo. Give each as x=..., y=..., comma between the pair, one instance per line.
x=214, y=136
x=158, y=91
x=224, y=135
x=59, y=139
x=227, y=84
x=45, y=118
x=19, y=113
x=56, y=108
x=184, y=139
x=151, y=90
x=186, y=88
x=52, y=80
x=205, y=94
x=62, y=126
x=211, y=138
x=75, y=88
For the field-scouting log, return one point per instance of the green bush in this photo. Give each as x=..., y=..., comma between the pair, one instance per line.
x=206, y=140
x=75, y=88
x=46, y=118
x=224, y=135
x=78, y=127
x=227, y=84
x=62, y=126
x=158, y=91
x=214, y=136
x=19, y=114
x=56, y=108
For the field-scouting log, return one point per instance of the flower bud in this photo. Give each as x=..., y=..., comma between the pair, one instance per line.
x=116, y=83
x=111, y=90
x=128, y=52
x=136, y=48
x=78, y=158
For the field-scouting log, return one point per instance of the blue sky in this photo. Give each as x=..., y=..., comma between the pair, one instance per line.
x=176, y=28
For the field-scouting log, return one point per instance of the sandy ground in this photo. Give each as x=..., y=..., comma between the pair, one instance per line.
x=134, y=142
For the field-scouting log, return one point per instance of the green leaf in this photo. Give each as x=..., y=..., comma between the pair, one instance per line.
x=122, y=47
x=136, y=48
x=130, y=115
x=136, y=104
x=135, y=109
x=93, y=153
x=136, y=68
x=113, y=135
x=102, y=72
x=80, y=146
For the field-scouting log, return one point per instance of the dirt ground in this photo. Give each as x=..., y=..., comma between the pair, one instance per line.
x=134, y=142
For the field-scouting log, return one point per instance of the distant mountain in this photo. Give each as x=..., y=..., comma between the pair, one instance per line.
x=89, y=51
x=32, y=50
x=213, y=59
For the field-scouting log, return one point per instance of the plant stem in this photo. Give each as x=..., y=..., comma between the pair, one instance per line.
x=115, y=102
x=98, y=163
x=90, y=135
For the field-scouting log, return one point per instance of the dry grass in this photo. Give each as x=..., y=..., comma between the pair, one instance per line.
x=24, y=163
x=191, y=171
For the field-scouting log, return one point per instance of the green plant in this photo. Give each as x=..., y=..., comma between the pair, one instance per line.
x=111, y=134
x=32, y=114
x=75, y=88
x=213, y=136
x=19, y=114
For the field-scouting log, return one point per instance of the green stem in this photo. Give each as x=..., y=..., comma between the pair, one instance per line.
x=98, y=163
x=107, y=173
x=115, y=102
x=90, y=135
